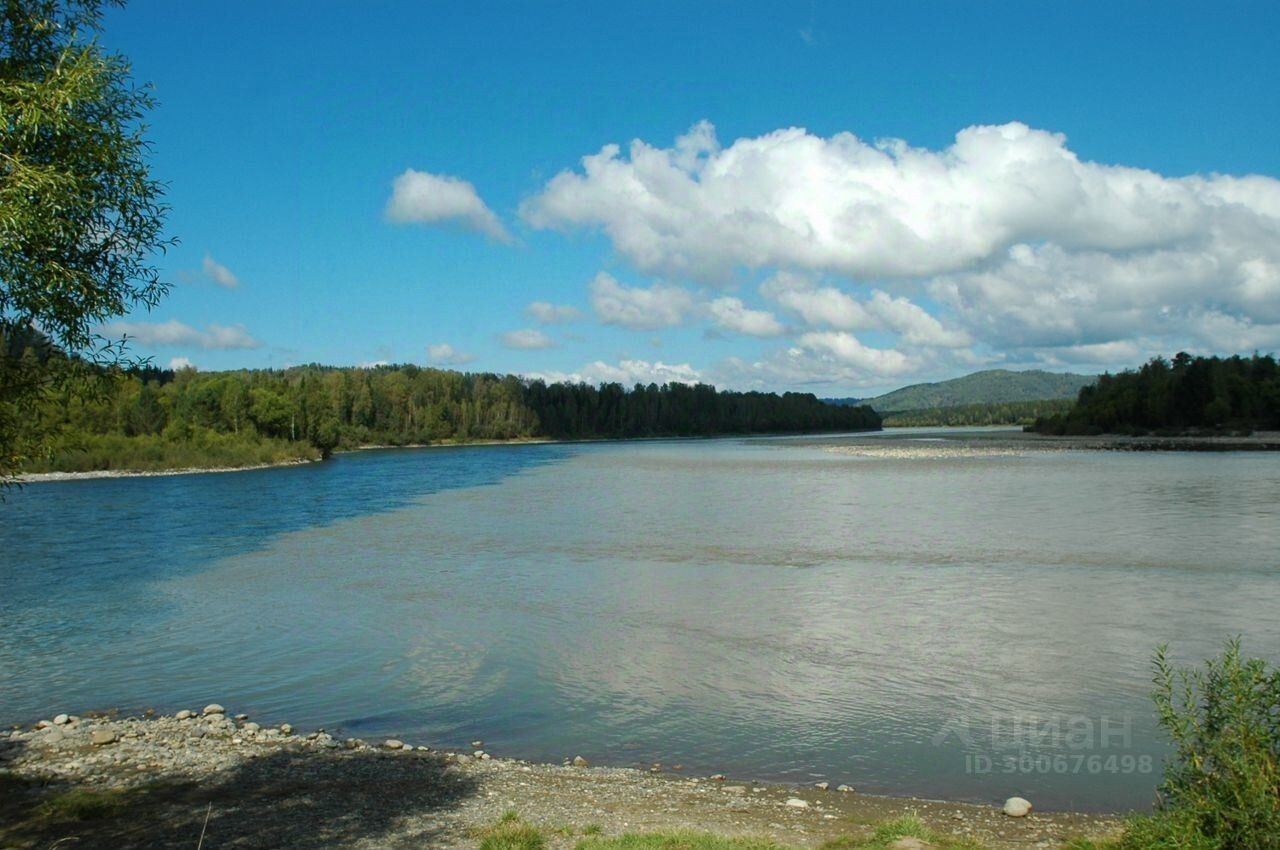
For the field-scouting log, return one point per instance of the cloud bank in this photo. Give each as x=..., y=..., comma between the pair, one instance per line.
x=1004, y=246
x=176, y=334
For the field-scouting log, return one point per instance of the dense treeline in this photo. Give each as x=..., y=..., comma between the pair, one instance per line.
x=150, y=418
x=1189, y=394
x=968, y=415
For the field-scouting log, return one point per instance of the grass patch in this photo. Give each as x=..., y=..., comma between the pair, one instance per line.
x=510, y=833
x=906, y=826
x=84, y=804
x=677, y=841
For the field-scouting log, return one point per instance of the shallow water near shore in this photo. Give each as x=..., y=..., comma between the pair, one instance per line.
x=937, y=618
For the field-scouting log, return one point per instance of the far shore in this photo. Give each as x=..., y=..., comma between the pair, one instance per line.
x=40, y=477
x=159, y=781
x=1268, y=441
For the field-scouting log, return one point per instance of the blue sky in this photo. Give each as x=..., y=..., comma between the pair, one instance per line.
x=1066, y=193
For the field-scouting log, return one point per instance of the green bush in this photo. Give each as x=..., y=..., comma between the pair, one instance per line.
x=1221, y=787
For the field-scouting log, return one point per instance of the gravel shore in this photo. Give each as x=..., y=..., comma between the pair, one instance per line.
x=112, y=782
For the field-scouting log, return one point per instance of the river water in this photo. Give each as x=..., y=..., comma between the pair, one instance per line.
x=915, y=612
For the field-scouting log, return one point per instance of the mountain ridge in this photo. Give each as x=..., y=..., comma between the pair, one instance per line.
x=985, y=387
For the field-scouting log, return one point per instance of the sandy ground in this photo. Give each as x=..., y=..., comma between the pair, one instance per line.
x=272, y=787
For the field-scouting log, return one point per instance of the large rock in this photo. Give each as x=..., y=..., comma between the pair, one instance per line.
x=797, y=803
x=1016, y=807
x=61, y=720
x=102, y=737
x=213, y=708
x=579, y=761
x=185, y=714
x=393, y=744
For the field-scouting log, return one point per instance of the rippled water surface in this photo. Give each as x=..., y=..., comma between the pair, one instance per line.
x=893, y=614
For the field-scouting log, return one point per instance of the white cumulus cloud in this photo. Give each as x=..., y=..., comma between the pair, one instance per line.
x=791, y=199
x=219, y=273
x=424, y=198
x=552, y=314
x=627, y=372
x=844, y=348
x=639, y=308
x=527, y=339
x=179, y=363
x=731, y=314
x=444, y=354
x=1004, y=241
x=174, y=333
x=827, y=306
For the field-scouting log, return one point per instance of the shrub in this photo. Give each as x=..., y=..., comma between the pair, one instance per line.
x=1221, y=786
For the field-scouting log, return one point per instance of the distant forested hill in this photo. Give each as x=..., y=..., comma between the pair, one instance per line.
x=158, y=419
x=990, y=387
x=969, y=415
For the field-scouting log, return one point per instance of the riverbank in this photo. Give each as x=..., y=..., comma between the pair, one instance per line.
x=947, y=441
x=39, y=477
x=123, y=782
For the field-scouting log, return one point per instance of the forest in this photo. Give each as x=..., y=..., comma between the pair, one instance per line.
x=149, y=418
x=987, y=413
x=1186, y=395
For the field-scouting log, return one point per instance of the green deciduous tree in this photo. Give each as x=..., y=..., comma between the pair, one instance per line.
x=81, y=219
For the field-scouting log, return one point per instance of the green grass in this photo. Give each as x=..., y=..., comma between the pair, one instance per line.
x=677, y=841
x=885, y=833
x=510, y=833
x=906, y=826
x=84, y=804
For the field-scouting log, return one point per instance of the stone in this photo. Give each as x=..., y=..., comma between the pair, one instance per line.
x=716, y=777
x=1016, y=807
x=822, y=786
x=286, y=729
x=463, y=759
x=908, y=842
x=797, y=803
x=393, y=744
x=477, y=744
x=847, y=789
x=213, y=708
x=242, y=717
x=185, y=714
x=485, y=757
x=736, y=789
x=579, y=761
x=43, y=724
x=478, y=754
x=61, y=720
x=102, y=737
x=251, y=728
